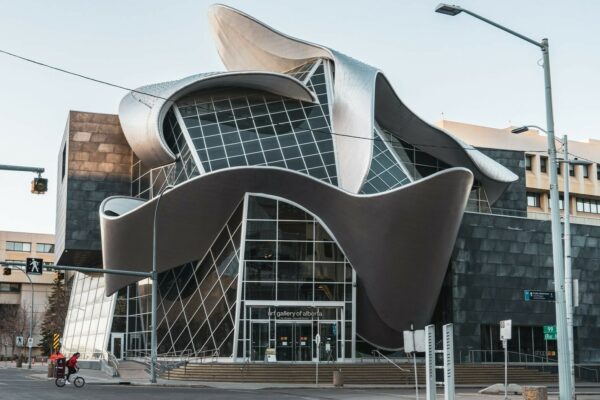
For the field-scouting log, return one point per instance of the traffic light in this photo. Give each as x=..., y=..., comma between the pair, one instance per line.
x=39, y=185
x=7, y=271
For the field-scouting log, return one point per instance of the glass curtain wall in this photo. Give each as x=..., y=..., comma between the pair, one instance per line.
x=147, y=183
x=89, y=317
x=385, y=172
x=196, y=302
x=297, y=283
x=418, y=162
x=240, y=127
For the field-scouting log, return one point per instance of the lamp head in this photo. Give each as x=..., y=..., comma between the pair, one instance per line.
x=520, y=129
x=577, y=161
x=448, y=9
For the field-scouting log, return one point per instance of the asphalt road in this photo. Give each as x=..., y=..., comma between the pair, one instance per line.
x=17, y=384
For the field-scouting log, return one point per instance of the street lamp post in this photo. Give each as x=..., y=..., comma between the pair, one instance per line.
x=153, y=348
x=31, y=317
x=30, y=320
x=565, y=392
x=567, y=244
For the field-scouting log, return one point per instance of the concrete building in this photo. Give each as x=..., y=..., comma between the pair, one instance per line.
x=584, y=180
x=15, y=289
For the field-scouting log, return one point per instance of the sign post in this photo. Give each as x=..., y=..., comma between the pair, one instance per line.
x=430, y=362
x=448, y=342
x=318, y=343
x=505, y=336
x=414, y=341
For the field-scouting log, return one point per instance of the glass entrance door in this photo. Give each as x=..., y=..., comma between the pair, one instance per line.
x=284, y=345
x=302, y=342
x=328, y=347
x=259, y=337
x=116, y=345
x=294, y=341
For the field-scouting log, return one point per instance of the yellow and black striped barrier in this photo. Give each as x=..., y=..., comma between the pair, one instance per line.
x=56, y=342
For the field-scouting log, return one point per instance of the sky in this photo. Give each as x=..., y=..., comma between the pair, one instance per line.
x=455, y=67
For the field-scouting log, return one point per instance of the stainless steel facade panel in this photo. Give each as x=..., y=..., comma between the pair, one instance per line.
x=394, y=115
x=399, y=242
x=362, y=95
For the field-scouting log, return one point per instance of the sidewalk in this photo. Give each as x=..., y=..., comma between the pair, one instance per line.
x=96, y=377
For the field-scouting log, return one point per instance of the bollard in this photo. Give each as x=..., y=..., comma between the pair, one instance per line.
x=50, y=370
x=535, y=393
x=338, y=378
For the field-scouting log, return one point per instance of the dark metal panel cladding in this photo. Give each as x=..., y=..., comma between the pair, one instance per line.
x=399, y=242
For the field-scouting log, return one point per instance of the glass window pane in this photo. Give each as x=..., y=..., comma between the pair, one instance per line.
x=261, y=251
x=261, y=230
x=329, y=272
x=299, y=291
x=292, y=230
x=260, y=271
x=295, y=271
x=295, y=251
x=260, y=291
x=262, y=208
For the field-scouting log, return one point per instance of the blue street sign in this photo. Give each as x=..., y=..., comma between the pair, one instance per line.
x=539, y=295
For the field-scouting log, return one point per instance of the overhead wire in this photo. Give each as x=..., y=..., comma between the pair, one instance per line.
x=107, y=83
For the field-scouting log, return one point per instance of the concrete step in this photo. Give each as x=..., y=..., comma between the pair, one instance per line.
x=353, y=373
x=132, y=370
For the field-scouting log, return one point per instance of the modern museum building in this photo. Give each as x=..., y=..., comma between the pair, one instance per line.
x=292, y=195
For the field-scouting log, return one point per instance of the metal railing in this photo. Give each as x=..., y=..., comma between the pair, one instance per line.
x=537, y=215
x=379, y=355
x=202, y=356
x=165, y=361
x=111, y=361
x=528, y=360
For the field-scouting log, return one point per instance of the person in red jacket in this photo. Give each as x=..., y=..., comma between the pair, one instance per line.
x=72, y=365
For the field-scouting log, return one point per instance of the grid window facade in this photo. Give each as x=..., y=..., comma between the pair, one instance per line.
x=18, y=246
x=533, y=199
x=385, y=172
x=417, y=162
x=44, y=248
x=289, y=256
x=10, y=287
x=303, y=71
x=591, y=206
x=543, y=164
x=147, y=183
x=571, y=169
x=196, y=302
x=528, y=162
x=561, y=204
x=231, y=128
x=88, y=322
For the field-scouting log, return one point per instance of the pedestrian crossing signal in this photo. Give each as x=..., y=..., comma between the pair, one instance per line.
x=34, y=266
